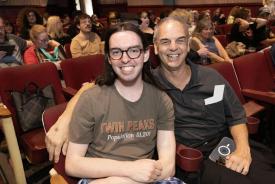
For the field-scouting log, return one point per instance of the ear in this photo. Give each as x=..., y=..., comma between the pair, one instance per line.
x=78, y=26
x=146, y=55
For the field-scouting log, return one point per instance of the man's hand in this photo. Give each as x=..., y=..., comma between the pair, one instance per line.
x=2, y=54
x=239, y=160
x=57, y=139
x=145, y=170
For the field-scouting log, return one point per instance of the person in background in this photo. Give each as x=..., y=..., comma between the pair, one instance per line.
x=15, y=58
x=30, y=18
x=43, y=50
x=153, y=19
x=86, y=42
x=55, y=30
x=97, y=27
x=232, y=14
x=144, y=26
x=9, y=27
x=73, y=30
x=124, y=97
x=206, y=14
x=113, y=18
x=250, y=31
x=66, y=20
x=218, y=17
x=203, y=37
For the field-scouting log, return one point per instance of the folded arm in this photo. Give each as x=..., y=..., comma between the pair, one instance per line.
x=166, y=146
x=139, y=171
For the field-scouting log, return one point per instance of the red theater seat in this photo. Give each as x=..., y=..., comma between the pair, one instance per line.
x=77, y=71
x=255, y=78
x=16, y=78
x=50, y=116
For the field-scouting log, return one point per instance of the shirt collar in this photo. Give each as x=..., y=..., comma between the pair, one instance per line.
x=194, y=80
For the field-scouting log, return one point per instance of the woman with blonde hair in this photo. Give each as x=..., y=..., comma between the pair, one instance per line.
x=43, y=49
x=203, y=36
x=55, y=30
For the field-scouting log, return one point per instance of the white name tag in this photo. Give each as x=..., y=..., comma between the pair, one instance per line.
x=217, y=95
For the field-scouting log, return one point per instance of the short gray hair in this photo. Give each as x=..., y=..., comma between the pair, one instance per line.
x=168, y=19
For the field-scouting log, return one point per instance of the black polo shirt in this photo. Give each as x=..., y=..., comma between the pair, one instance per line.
x=196, y=122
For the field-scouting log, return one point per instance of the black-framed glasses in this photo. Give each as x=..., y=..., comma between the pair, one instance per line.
x=132, y=53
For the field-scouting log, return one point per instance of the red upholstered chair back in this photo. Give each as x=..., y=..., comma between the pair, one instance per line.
x=153, y=57
x=228, y=72
x=67, y=48
x=50, y=116
x=224, y=29
x=16, y=78
x=253, y=72
x=222, y=39
x=267, y=53
x=76, y=71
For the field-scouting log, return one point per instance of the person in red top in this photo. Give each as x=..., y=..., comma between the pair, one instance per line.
x=43, y=49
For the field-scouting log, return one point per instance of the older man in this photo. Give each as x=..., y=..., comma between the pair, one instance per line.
x=202, y=117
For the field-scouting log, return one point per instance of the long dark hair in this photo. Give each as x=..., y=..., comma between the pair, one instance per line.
x=109, y=76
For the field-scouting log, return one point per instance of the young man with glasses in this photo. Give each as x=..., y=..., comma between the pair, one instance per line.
x=117, y=124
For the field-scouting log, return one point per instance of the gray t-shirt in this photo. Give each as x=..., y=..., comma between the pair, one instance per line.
x=118, y=129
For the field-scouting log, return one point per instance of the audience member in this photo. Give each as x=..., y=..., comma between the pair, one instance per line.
x=55, y=30
x=144, y=26
x=43, y=50
x=250, y=31
x=113, y=18
x=97, y=27
x=30, y=18
x=270, y=4
x=218, y=17
x=9, y=27
x=86, y=42
x=200, y=122
x=9, y=57
x=232, y=14
x=206, y=14
x=203, y=37
x=153, y=19
x=124, y=97
x=73, y=30
x=66, y=20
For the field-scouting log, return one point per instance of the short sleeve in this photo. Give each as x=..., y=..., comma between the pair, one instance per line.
x=82, y=122
x=234, y=112
x=166, y=115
